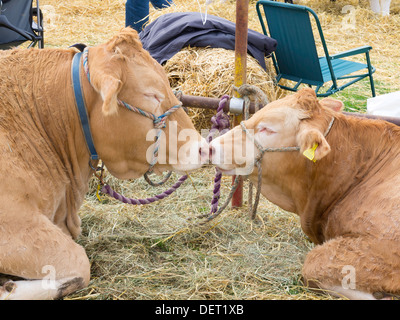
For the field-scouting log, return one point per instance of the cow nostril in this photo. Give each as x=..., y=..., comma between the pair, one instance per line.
x=211, y=151
x=202, y=153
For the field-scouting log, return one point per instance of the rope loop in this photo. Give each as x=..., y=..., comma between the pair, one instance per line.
x=159, y=123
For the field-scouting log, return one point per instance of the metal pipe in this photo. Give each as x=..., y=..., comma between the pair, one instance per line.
x=210, y=103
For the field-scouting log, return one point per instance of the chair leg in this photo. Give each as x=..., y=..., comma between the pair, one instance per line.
x=371, y=79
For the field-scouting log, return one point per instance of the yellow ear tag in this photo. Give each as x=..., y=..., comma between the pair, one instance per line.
x=310, y=153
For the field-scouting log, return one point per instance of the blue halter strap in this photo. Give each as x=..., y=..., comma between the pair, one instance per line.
x=80, y=105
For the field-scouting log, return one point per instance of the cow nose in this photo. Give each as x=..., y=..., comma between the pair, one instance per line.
x=214, y=153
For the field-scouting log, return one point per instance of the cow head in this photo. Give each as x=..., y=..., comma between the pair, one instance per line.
x=298, y=120
x=122, y=70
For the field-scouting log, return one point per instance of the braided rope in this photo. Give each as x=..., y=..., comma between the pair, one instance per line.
x=137, y=110
x=156, y=184
x=108, y=190
x=211, y=216
x=85, y=54
x=159, y=123
x=248, y=91
x=219, y=122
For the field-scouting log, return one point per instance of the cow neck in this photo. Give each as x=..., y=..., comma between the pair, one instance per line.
x=354, y=159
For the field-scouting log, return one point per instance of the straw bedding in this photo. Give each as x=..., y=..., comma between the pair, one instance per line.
x=158, y=251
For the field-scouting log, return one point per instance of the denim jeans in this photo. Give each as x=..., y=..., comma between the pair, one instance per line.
x=137, y=11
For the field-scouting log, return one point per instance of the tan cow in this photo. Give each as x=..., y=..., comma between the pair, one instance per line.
x=44, y=160
x=347, y=196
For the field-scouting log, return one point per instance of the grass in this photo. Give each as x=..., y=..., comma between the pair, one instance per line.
x=355, y=97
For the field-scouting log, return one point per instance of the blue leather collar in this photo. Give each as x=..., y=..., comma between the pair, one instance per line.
x=80, y=105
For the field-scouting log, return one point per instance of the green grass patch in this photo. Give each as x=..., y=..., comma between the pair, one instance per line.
x=355, y=96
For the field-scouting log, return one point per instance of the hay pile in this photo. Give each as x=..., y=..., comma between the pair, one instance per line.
x=157, y=251
x=81, y=21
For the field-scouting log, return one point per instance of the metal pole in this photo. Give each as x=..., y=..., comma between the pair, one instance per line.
x=242, y=14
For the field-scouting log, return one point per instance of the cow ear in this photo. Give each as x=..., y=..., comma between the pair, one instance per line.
x=335, y=105
x=110, y=86
x=313, y=144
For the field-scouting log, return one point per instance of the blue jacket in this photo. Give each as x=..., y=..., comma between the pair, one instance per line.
x=171, y=32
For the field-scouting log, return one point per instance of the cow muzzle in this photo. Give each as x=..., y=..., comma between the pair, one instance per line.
x=191, y=156
x=232, y=154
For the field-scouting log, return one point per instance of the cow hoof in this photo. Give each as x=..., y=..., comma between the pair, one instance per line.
x=385, y=296
x=7, y=288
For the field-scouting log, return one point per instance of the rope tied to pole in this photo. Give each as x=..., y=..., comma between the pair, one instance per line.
x=248, y=93
x=220, y=122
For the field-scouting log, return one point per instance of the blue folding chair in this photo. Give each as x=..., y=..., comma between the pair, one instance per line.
x=296, y=56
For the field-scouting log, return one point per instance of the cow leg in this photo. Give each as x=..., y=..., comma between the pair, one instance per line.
x=51, y=263
x=354, y=267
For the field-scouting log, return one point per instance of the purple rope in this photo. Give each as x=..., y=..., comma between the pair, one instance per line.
x=108, y=190
x=219, y=122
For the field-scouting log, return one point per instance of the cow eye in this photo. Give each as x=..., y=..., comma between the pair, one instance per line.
x=267, y=130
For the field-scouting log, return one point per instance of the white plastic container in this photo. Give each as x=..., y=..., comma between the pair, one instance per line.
x=385, y=105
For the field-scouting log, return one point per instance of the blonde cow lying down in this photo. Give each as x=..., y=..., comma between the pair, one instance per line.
x=347, y=193
x=44, y=159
